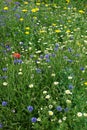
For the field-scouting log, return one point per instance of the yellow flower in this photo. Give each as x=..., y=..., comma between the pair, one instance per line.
x=27, y=28
x=21, y=19
x=34, y=17
x=68, y=1
x=85, y=83
x=81, y=11
x=24, y=10
x=64, y=7
x=57, y=31
x=68, y=31
x=79, y=44
x=53, y=24
x=46, y=5
x=6, y=8
x=26, y=32
x=25, y=2
x=69, y=21
x=35, y=10
x=37, y=3
x=42, y=31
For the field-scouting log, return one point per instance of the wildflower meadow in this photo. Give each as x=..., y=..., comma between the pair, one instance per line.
x=43, y=65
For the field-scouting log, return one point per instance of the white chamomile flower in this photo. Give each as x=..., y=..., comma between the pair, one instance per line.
x=56, y=83
x=31, y=86
x=70, y=77
x=50, y=113
x=79, y=114
x=5, y=83
x=47, y=96
x=68, y=92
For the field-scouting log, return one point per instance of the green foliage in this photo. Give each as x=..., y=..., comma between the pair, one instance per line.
x=43, y=71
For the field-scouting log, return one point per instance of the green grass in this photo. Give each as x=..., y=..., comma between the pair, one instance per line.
x=49, y=79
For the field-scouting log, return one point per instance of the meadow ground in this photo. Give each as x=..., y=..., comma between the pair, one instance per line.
x=43, y=65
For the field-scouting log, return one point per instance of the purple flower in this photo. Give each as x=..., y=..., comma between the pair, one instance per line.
x=4, y=69
x=33, y=119
x=38, y=70
x=70, y=49
x=17, y=16
x=82, y=68
x=17, y=61
x=59, y=108
x=69, y=60
x=1, y=125
x=17, y=3
x=53, y=55
x=4, y=103
x=4, y=77
x=41, y=56
x=30, y=108
x=47, y=56
x=47, y=60
x=56, y=45
x=70, y=86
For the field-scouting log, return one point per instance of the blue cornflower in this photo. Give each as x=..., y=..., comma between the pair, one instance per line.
x=17, y=61
x=70, y=86
x=69, y=60
x=30, y=108
x=56, y=45
x=4, y=69
x=55, y=49
x=33, y=119
x=41, y=56
x=17, y=16
x=53, y=55
x=4, y=103
x=47, y=56
x=47, y=60
x=82, y=68
x=38, y=70
x=70, y=49
x=59, y=108
x=17, y=3
x=1, y=125
x=4, y=77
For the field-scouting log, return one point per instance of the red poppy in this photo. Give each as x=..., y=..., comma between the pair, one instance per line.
x=16, y=55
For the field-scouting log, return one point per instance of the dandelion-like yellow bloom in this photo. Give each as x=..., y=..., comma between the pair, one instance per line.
x=34, y=17
x=37, y=3
x=26, y=32
x=21, y=19
x=53, y=24
x=85, y=83
x=26, y=3
x=6, y=8
x=42, y=31
x=46, y=5
x=35, y=10
x=81, y=11
x=68, y=31
x=79, y=44
x=68, y=1
x=27, y=28
x=24, y=10
x=57, y=31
